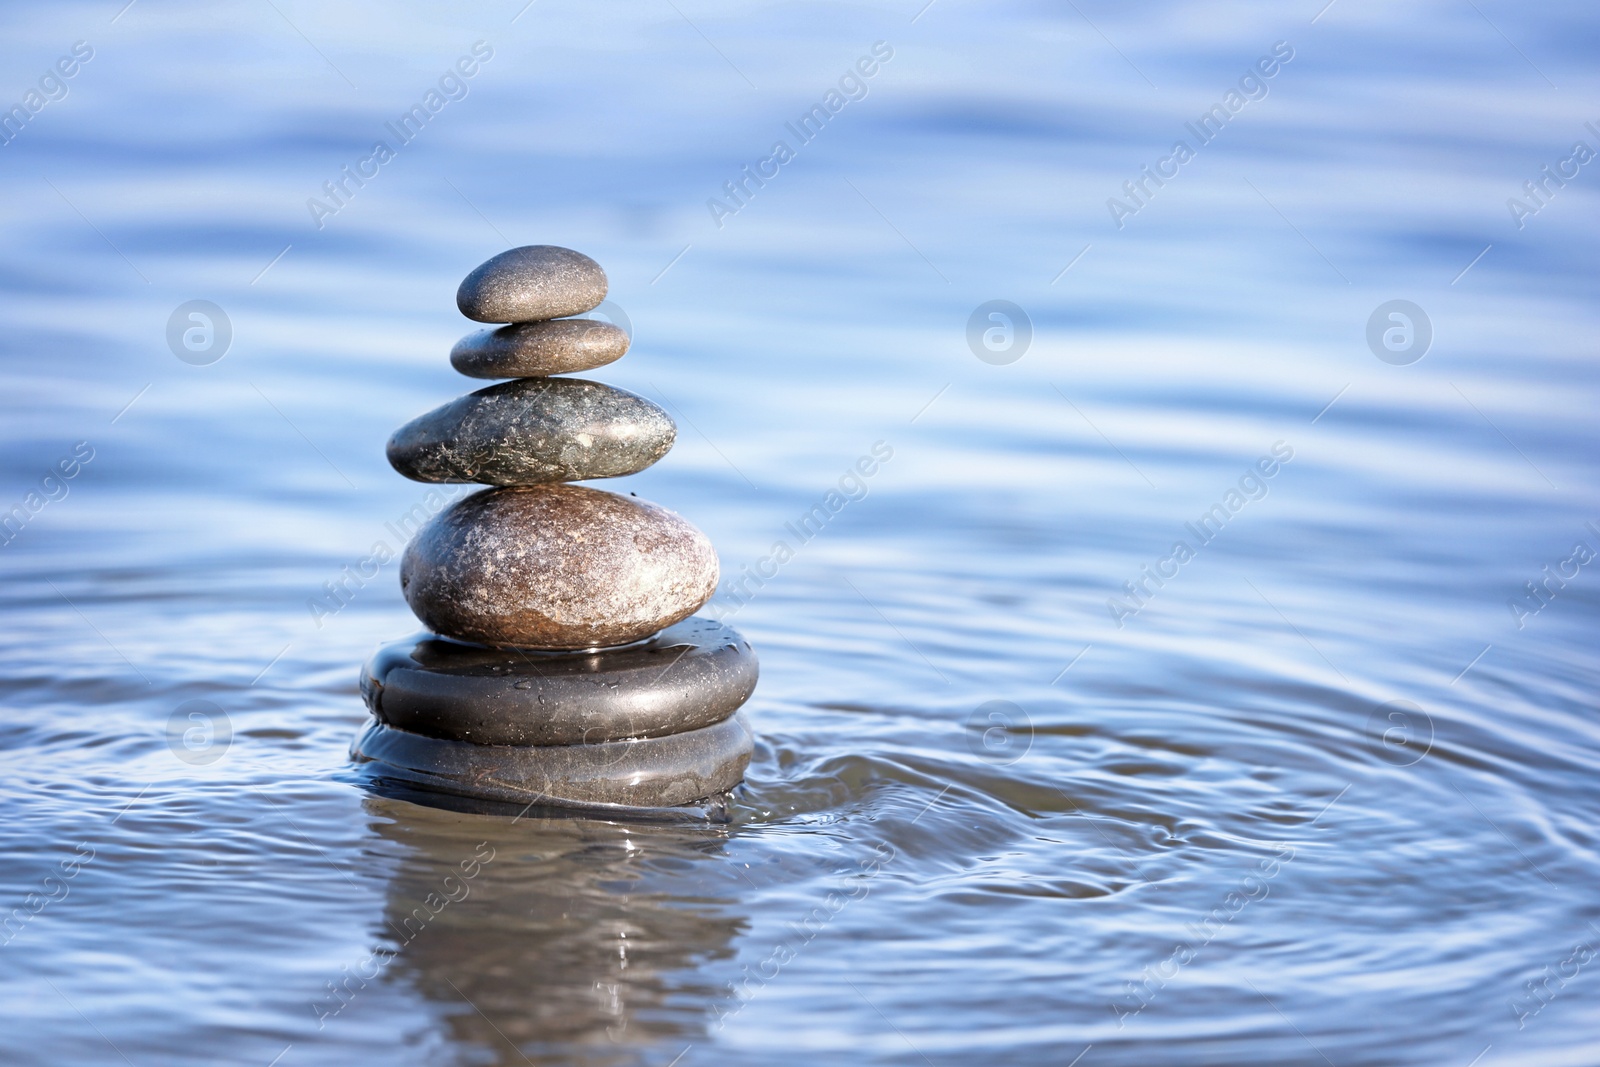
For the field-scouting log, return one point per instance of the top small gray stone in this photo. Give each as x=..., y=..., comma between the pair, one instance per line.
x=532, y=283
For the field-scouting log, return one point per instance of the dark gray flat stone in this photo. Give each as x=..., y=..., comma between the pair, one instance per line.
x=556, y=567
x=691, y=675
x=657, y=772
x=534, y=431
x=532, y=282
x=536, y=349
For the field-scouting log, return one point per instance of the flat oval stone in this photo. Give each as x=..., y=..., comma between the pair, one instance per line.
x=535, y=349
x=532, y=282
x=658, y=772
x=534, y=431
x=691, y=675
x=556, y=566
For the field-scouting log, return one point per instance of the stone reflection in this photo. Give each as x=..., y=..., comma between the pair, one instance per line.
x=555, y=939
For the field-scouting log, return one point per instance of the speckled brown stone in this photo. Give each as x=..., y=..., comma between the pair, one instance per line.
x=535, y=349
x=532, y=282
x=559, y=566
x=533, y=431
x=656, y=772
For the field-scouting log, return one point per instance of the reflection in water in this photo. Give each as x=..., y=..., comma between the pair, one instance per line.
x=567, y=938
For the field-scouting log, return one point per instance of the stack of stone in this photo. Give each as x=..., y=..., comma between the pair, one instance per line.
x=564, y=664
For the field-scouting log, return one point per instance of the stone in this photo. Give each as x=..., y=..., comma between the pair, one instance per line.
x=555, y=567
x=693, y=674
x=530, y=283
x=658, y=772
x=533, y=431
x=536, y=349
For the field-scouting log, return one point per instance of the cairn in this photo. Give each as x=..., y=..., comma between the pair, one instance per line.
x=563, y=663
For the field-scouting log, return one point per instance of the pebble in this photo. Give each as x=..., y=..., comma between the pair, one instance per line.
x=659, y=772
x=691, y=675
x=563, y=666
x=533, y=431
x=555, y=567
x=536, y=349
x=530, y=283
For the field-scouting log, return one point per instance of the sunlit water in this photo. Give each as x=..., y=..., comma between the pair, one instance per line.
x=1196, y=832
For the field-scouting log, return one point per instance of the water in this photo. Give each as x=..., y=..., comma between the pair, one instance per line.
x=1205, y=835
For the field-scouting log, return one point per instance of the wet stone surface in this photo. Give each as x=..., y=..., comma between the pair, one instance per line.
x=534, y=431
x=556, y=567
x=691, y=675
x=652, y=773
x=535, y=349
x=532, y=282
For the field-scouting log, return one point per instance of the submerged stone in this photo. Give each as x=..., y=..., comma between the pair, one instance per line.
x=533, y=431
x=690, y=675
x=657, y=772
x=556, y=567
x=532, y=282
x=536, y=349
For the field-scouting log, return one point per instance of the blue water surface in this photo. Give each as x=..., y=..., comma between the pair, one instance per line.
x=1034, y=784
